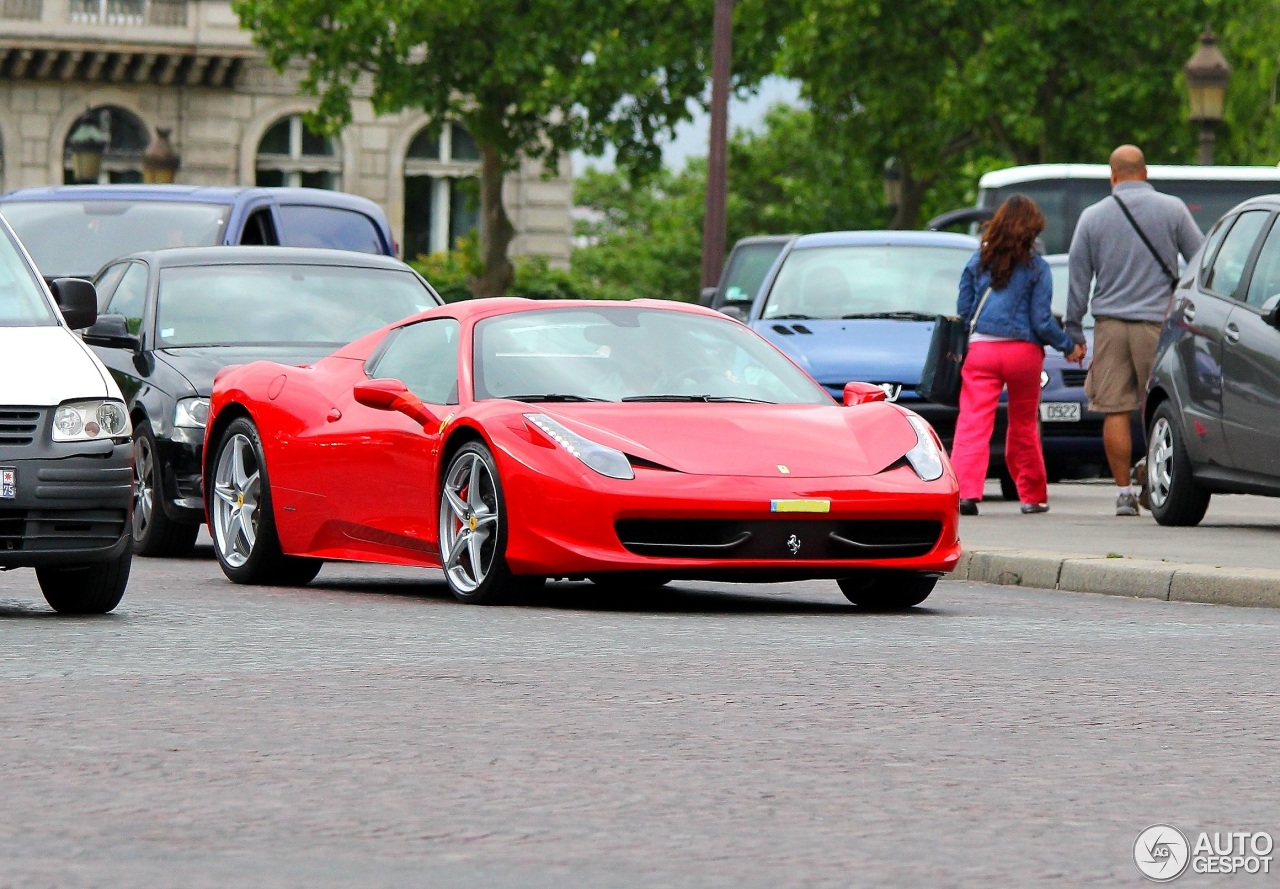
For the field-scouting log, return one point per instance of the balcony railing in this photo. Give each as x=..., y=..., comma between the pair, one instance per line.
x=164, y=13
x=21, y=9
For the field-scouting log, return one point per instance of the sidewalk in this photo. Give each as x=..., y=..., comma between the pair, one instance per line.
x=1230, y=558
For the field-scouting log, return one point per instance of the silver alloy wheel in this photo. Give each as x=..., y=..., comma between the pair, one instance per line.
x=1160, y=462
x=468, y=522
x=144, y=494
x=237, y=491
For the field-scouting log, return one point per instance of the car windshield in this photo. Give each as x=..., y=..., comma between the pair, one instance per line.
x=21, y=302
x=76, y=238
x=224, y=305
x=627, y=353
x=1061, y=283
x=874, y=280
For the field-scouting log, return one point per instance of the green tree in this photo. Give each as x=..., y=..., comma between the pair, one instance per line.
x=527, y=78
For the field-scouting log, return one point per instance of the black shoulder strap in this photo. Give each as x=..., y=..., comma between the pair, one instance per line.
x=1173, y=280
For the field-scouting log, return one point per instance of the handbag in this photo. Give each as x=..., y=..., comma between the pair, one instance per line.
x=940, y=378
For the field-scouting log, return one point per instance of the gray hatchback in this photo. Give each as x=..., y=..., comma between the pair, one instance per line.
x=1212, y=410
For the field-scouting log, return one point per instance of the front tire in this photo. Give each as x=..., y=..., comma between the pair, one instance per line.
x=473, y=531
x=1174, y=497
x=241, y=518
x=154, y=533
x=87, y=589
x=887, y=591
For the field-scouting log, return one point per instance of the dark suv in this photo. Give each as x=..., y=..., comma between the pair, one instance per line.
x=1212, y=410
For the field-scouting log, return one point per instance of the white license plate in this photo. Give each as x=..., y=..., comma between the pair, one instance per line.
x=8, y=484
x=1060, y=411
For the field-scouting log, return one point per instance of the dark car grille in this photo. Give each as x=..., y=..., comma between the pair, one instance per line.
x=779, y=538
x=1074, y=377
x=18, y=427
x=35, y=530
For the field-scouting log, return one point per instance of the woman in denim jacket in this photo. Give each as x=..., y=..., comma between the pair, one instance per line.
x=1006, y=349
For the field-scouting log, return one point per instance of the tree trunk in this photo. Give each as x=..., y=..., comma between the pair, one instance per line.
x=496, y=231
x=907, y=213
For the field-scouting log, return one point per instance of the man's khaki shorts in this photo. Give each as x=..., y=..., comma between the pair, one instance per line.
x=1123, y=352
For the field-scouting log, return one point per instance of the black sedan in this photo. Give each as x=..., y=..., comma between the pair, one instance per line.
x=171, y=319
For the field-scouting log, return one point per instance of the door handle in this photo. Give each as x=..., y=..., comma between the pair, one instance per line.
x=1232, y=333
x=1189, y=311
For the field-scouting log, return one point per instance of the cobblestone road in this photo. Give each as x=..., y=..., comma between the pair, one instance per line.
x=368, y=732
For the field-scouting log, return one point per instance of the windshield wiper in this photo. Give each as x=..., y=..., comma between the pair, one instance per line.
x=893, y=316
x=552, y=396
x=794, y=316
x=702, y=398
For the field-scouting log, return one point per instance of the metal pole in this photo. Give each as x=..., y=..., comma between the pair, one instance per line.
x=1206, y=144
x=713, y=223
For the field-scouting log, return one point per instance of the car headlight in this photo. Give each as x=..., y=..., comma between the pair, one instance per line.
x=603, y=459
x=926, y=457
x=91, y=421
x=192, y=412
x=1044, y=378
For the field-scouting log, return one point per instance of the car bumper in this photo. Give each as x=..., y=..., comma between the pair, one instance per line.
x=71, y=504
x=180, y=458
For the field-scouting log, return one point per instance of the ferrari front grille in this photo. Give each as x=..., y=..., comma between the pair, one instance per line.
x=780, y=538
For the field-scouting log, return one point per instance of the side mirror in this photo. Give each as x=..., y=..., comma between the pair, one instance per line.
x=77, y=299
x=1271, y=311
x=707, y=296
x=393, y=395
x=862, y=393
x=737, y=313
x=112, y=332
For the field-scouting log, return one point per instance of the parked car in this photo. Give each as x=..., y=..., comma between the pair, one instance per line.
x=74, y=230
x=508, y=441
x=744, y=271
x=174, y=318
x=1212, y=408
x=64, y=443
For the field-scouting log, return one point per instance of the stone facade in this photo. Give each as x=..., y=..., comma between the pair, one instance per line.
x=187, y=65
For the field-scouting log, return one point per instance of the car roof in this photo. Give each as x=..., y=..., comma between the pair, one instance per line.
x=893, y=238
x=1155, y=172
x=236, y=255
x=204, y=194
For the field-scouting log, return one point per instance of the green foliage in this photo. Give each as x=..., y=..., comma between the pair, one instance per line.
x=451, y=274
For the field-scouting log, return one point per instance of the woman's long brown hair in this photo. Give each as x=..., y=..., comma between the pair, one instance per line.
x=1009, y=238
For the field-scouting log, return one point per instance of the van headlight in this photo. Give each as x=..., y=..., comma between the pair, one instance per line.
x=91, y=421
x=192, y=412
x=926, y=457
x=602, y=458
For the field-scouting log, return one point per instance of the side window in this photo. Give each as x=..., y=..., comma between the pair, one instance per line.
x=1228, y=266
x=106, y=283
x=1265, y=282
x=309, y=226
x=423, y=356
x=130, y=298
x=1213, y=242
x=259, y=230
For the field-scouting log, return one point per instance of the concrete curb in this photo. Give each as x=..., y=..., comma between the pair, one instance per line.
x=1144, y=578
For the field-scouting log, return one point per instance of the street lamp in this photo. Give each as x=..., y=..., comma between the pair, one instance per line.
x=1207, y=75
x=87, y=142
x=160, y=161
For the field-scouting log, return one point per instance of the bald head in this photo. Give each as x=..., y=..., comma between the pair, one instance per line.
x=1128, y=165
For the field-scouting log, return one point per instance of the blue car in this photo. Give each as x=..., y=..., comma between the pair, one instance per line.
x=74, y=230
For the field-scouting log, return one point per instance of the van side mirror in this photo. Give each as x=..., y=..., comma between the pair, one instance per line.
x=862, y=393
x=393, y=395
x=77, y=299
x=707, y=296
x=112, y=332
x=737, y=313
x=1271, y=311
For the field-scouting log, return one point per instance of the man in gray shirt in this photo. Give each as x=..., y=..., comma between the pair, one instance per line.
x=1132, y=285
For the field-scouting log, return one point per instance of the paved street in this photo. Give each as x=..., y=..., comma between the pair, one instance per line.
x=368, y=731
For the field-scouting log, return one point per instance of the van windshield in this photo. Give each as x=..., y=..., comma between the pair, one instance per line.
x=21, y=302
x=76, y=238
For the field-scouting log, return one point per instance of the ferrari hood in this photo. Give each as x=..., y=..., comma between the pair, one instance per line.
x=801, y=441
x=42, y=366
x=875, y=350
x=199, y=363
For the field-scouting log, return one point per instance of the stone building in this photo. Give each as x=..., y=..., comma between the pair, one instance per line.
x=129, y=67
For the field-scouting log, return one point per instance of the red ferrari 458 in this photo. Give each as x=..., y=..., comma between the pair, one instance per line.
x=508, y=441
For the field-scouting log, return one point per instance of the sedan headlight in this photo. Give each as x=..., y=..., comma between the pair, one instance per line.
x=91, y=421
x=603, y=459
x=926, y=457
x=192, y=412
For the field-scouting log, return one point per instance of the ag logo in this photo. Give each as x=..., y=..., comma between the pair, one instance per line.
x=793, y=544
x=1161, y=852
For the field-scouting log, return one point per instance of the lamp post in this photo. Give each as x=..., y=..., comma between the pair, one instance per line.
x=713, y=220
x=87, y=142
x=1207, y=75
x=160, y=162
x=892, y=187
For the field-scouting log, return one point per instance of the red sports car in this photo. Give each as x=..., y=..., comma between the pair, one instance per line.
x=508, y=441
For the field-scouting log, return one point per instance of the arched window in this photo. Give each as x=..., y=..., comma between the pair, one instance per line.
x=291, y=154
x=441, y=189
x=125, y=137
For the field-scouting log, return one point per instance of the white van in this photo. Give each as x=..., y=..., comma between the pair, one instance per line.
x=66, y=466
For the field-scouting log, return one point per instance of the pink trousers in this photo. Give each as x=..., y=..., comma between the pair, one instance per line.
x=989, y=368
